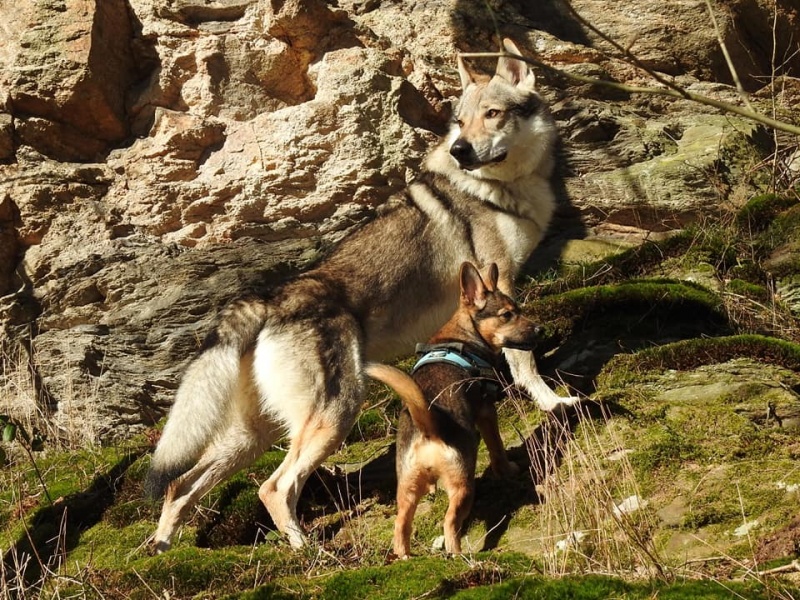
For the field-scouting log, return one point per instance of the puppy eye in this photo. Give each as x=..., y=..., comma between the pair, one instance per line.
x=459, y=122
x=492, y=113
x=507, y=315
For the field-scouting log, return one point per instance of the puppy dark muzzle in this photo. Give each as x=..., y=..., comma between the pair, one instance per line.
x=527, y=340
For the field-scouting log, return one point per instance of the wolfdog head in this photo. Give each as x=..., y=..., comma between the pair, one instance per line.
x=502, y=128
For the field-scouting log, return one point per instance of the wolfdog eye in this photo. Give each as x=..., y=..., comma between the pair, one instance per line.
x=492, y=113
x=507, y=315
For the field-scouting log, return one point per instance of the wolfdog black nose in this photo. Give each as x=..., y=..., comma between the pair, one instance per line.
x=461, y=150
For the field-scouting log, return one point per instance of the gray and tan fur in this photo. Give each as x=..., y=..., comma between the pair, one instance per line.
x=447, y=405
x=292, y=362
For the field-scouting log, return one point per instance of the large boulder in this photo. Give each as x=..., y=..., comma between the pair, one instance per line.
x=157, y=157
x=67, y=69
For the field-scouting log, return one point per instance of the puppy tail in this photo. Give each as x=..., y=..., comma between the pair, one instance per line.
x=409, y=392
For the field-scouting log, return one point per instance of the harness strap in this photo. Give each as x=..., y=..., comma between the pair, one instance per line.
x=455, y=354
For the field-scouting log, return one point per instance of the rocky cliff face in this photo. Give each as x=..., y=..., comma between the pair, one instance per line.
x=158, y=157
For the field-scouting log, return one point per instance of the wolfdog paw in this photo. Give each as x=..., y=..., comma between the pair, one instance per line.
x=550, y=402
x=297, y=538
x=505, y=469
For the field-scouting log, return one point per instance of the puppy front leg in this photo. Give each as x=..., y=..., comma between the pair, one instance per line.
x=486, y=421
x=526, y=376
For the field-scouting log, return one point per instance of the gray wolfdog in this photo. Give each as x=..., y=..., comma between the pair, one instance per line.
x=292, y=362
x=452, y=391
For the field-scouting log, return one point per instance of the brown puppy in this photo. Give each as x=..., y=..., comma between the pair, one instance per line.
x=453, y=391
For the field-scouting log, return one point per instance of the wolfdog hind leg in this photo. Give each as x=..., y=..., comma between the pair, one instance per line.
x=526, y=375
x=238, y=446
x=316, y=441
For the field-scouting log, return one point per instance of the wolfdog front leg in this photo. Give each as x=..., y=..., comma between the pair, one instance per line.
x=526, y=375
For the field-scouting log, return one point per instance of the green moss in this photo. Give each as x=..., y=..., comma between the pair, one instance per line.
x=187, y=571
x=100, y=545
x=624, y=369
x=748, y=290
x=400, y=580
x=428, y=521
x=786, y=222
x=631, y=263
x=270, y=592
x=783, y=232
x=716, y=246
x=749, y=271
x=712, y=508
x=565, y=313
x=372, y=424
x=601, y=588
x=239, y=517
x=760, y=211
x=662, y=447
x=381, y=407
x=475, y=580
x=361, y=452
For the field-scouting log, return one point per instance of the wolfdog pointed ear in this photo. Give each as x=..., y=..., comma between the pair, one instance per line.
x=516, y=72
x=491, y=276
x=463, y=72
x=473, y=290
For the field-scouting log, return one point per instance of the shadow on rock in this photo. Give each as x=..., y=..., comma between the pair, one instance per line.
x=595, y=324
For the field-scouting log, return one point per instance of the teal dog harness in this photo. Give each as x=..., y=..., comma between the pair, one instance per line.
x=454, y=354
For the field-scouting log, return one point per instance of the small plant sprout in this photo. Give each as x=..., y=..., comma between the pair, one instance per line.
x=13, y=430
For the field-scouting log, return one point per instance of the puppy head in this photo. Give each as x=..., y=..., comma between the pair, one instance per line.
x=495, y=317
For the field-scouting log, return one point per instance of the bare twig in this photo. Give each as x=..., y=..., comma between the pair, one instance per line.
x=625, y=52
x=792, y=566
x=723, y=46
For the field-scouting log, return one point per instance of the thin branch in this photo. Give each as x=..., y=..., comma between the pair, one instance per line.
x=672, y=91
x=625, y=52
x=726, y=54
x=792, y=566
x=773, y=95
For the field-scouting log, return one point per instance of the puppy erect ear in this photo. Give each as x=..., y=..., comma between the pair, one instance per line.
x=473, y=290
x=516, y=72
x=463, y=72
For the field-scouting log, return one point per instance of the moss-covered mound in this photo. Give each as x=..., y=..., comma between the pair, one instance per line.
x=696, y=352
x=636, y=305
